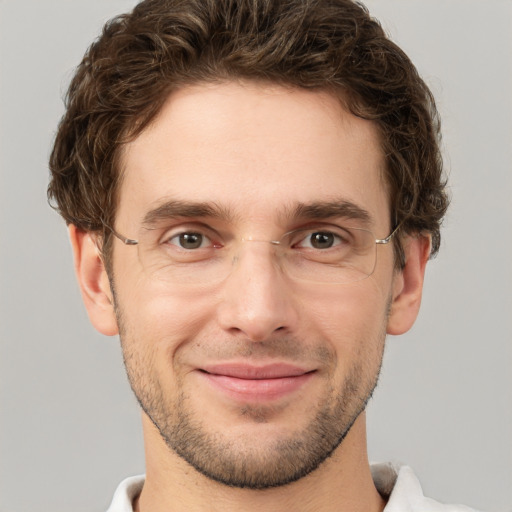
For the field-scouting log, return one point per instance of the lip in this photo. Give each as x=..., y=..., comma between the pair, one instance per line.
x=244, y=382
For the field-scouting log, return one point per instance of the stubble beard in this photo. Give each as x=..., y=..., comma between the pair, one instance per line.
x=246, y=463
x=242, y=462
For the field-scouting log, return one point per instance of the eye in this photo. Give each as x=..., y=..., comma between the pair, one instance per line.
x=320, y=240
x=190, y=240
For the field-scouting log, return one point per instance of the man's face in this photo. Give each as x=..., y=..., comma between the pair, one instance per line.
x=254, y=378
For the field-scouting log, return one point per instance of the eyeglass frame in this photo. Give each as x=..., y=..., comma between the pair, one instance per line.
x=377, y=241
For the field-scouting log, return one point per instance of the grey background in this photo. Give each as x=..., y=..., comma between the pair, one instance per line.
x=69, y=427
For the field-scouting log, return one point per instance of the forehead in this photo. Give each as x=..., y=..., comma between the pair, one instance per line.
x=253, y=149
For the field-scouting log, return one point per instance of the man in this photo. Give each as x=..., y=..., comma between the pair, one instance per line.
x=253, y=189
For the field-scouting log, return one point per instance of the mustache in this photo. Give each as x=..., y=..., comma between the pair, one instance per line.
x=288, y=348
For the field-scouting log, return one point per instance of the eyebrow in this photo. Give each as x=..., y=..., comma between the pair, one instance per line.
x=175, y=209
x=328, y=209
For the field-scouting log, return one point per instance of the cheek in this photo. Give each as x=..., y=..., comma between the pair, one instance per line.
x=353, y=322
x=154, y=328
x=159, y=317
x=353, y=309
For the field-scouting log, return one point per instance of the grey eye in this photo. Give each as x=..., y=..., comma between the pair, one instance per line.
x=322, y=240
x=189, y=240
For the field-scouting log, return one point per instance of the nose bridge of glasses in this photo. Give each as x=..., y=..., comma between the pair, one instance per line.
x=250, y=244
x=257, y=258
x=260, y=240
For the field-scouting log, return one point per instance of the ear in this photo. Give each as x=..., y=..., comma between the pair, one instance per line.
x=408, y=285
x=93, y=280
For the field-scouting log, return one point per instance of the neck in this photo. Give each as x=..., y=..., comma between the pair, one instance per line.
x=343, y=482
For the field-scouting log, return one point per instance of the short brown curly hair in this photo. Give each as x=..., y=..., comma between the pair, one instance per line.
x=141, y=57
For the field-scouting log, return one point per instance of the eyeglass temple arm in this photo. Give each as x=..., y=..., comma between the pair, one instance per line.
x=127, y=241
x=389, y=237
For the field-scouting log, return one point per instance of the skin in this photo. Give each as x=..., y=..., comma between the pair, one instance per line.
x=257, y=151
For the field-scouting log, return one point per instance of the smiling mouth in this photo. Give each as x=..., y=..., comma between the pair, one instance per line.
x=256, y=384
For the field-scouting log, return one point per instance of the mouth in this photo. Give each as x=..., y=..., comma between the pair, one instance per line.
x=244, y=382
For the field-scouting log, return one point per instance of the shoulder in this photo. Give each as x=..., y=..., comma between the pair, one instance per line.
x=400, y=486
x=125, y=493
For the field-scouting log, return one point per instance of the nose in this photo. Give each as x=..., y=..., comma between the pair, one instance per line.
x=258, y=299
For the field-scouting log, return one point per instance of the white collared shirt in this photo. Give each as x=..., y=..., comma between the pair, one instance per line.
x=398, y=485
